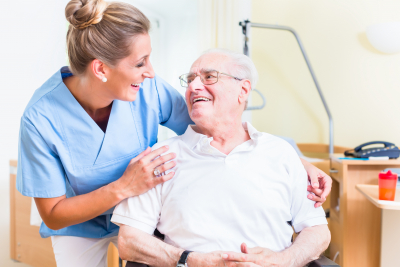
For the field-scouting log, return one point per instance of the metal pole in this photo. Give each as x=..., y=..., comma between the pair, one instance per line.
x=285, y=28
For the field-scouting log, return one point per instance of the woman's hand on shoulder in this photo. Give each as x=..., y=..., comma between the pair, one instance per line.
x=139, y=176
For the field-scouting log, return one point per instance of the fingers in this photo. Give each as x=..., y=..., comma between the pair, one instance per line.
x=255, y=250
x=316, y=191
x=161, y=160
x=315, y=198
x=317, y=204
x=314, y=179
x=141, y=155
x=243, y=248
x=327, y=186
x=319, y=200
x=241, y=264
x=154, y=154
x=234, y=256
x=163, y=178
x=167, y=166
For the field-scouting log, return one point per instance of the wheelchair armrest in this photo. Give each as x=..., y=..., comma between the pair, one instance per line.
x=323, y=262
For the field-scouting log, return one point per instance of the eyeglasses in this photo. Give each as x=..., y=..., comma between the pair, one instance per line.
x=206, y=77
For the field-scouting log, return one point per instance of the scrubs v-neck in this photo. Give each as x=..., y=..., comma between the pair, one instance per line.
x=62, y=151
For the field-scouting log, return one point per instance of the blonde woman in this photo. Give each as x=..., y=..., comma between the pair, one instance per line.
x=85, y=134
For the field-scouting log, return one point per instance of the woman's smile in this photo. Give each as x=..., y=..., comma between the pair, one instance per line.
x=135, y=86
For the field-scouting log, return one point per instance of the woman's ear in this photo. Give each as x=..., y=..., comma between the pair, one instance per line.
x=98, y=68
x=245, y=91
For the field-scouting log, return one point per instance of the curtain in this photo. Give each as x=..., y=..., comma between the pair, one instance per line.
x=219, y=23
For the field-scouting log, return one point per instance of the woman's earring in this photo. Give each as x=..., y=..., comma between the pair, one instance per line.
x=104, y=79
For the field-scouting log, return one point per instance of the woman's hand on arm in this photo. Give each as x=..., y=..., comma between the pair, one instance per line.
x=321, y=183
x=138, y=178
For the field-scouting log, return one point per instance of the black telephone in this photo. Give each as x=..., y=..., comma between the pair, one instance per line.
x=389, y=150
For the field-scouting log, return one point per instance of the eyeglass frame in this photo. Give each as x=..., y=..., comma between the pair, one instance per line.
x=196, y=75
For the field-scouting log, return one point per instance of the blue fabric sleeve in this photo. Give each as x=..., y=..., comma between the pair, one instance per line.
x=40, y=172
x=174, y=113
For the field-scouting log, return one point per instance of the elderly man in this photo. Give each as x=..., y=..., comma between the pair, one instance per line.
x=232, y=184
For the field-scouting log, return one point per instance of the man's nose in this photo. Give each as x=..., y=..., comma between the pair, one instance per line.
x=196, y=84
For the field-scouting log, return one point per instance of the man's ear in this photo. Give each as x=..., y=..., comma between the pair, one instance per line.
x=99, y=69
x=245, y=91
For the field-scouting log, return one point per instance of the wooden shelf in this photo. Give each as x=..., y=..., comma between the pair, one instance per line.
x=371, y=192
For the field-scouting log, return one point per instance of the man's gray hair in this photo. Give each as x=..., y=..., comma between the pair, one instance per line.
x=241, y=65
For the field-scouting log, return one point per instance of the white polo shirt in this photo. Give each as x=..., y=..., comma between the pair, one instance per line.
x=217, y=201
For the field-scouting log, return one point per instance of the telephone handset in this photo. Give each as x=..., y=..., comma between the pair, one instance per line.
x=389, y=150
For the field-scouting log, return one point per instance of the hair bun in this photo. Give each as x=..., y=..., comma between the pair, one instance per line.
x=83, y=13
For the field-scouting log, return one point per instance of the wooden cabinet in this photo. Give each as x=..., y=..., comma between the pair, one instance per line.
x=355, y=223
x=390, y=231
x=26, y=245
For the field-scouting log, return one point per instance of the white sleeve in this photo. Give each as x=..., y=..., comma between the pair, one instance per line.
x=141, y=212
x=304, y=214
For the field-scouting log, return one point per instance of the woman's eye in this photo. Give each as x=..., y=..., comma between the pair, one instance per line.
x=140, y=65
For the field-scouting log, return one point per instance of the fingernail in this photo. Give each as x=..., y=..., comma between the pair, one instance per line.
x=309, y=196
x=315, y=185
x=224, y=256
x=166, y=147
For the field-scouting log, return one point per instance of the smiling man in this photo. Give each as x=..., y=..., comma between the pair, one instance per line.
x=232, y=185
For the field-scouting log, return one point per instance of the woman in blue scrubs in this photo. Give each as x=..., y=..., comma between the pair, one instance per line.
x=85, y=134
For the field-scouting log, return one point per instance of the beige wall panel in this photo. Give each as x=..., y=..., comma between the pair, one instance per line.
x=360, y=84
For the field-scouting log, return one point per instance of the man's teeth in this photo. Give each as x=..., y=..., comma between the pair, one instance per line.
x=201, y=98
x=135, y=84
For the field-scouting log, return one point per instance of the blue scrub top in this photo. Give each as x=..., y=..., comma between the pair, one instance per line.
x=62, y=151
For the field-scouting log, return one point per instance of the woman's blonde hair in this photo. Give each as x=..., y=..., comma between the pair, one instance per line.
x=101, y=30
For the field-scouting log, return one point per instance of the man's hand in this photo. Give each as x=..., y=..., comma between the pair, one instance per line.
x=321, y=183
x=257, y=255
x=310, y=243
x=214, y=259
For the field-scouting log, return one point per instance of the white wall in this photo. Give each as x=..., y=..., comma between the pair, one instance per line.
x=32, y=48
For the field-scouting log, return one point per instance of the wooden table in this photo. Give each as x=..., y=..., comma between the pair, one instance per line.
x=390, y=226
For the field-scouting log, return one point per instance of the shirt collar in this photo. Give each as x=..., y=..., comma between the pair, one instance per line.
x=192, y=138
x=253, y=133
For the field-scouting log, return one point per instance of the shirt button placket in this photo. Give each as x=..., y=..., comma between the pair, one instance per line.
x=231, y=159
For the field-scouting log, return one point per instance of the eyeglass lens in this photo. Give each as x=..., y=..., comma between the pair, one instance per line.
x=206, y=77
